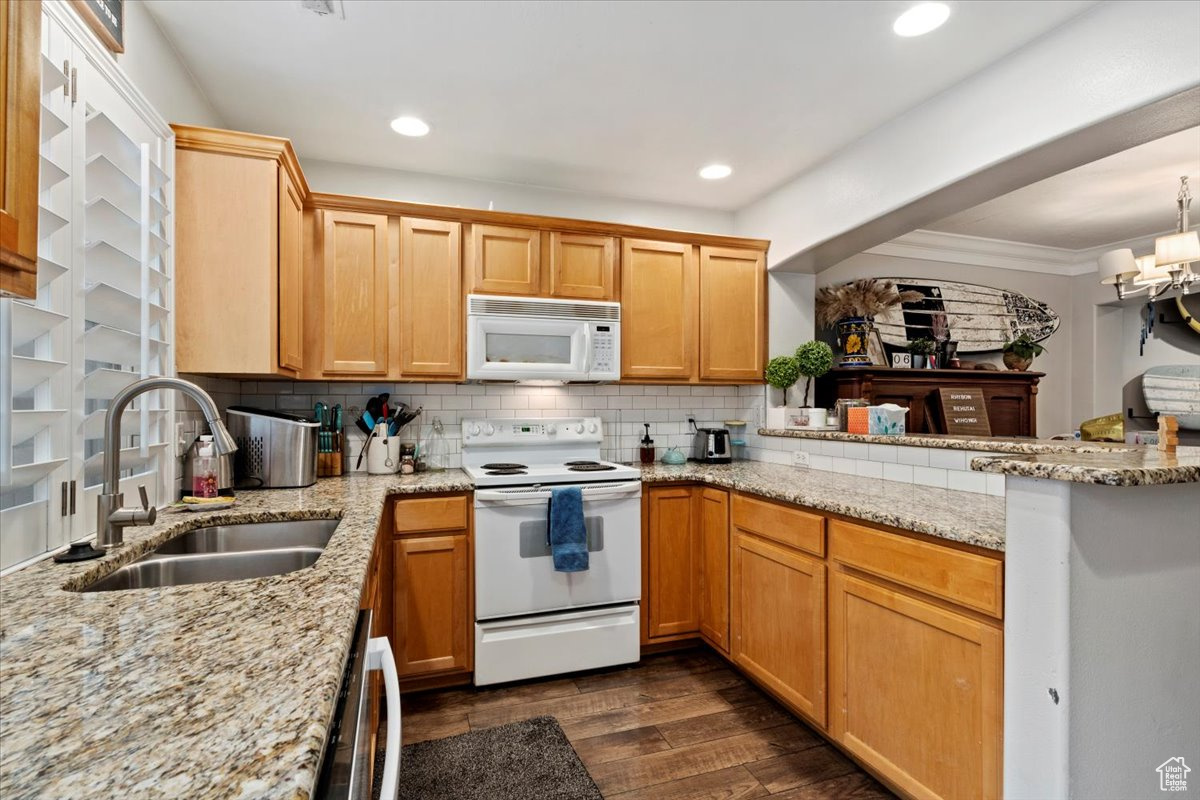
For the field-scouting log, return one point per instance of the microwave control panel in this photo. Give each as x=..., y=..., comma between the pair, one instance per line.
x=603, y=353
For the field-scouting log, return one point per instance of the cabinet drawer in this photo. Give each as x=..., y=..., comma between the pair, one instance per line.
x=971, y=580
x=782, y=523
x=430, y=514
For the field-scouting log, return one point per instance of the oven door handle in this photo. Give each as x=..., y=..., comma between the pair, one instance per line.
x=379, y=657
x=500, y=497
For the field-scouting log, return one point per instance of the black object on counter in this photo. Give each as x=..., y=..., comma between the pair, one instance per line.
x=82, y=551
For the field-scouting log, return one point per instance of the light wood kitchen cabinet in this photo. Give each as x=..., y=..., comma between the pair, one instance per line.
x=658, y=310
x=582, y=266
x=712, y=519
x=778, y=621
x=733, y=314
x=915, y=690
x=505, y=260
x=239, y=253
x=354, y=286
x=431, y=620
x=431, y=300
x=671, y=562
x=20, y=106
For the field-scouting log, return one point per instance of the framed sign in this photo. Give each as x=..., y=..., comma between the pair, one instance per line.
x=964, y=412
x=106, y=18
x=902, y=360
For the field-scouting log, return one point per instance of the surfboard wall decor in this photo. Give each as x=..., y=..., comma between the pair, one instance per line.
x=981, y=319
x=1174, y=389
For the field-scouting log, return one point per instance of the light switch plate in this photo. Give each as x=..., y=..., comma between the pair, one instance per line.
x=800, y=459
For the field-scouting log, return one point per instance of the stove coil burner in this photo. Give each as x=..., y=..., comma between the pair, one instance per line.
x=504, y=465
x=589, y=467
x=506, y=471
x=581, y=464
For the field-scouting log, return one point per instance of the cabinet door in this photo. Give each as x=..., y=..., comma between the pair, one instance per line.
x=20, y=79
x=431, y=621
x=733, y=314
x=672, y=568
x=431, y=297
x=355, y=290
x=778, y=599
x=505, y=260
x=713, y=518
x=658, y=310
x=915, y=690
x=291, y=273
x=583, y=266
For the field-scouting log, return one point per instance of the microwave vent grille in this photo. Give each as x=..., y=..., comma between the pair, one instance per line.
x=544, y=309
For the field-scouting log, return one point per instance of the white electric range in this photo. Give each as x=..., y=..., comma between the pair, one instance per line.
x=530, y=620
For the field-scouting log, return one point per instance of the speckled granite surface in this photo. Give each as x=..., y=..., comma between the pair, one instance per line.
x=225, y=690
x=959, y=516
x=1136, y=466
x=996, y=444
x=220, y=690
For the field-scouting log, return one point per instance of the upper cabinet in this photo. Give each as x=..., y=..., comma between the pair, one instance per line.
x=239, y=253
x=20, y=79
x=505, y=260
x=582, y=266
x=355, y=281
x=658, y=310
x=733, y=314
x=431, y=299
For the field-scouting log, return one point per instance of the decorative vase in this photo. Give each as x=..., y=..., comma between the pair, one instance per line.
x=918, y=360
x=853, y=336
x=1015, y=362
x=776, y=417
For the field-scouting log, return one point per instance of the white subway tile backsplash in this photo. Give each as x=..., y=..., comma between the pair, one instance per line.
x=833, y=449
x=995, y=484
x=916, y=456
x=883, y=452
x=854, y=450
x=823, y=463
x=845, y=466
x=868, y=469
x=930, y=476
x=948, y=459
x=966, y=481
x=898, y=472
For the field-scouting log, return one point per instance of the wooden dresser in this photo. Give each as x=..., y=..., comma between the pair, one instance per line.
x=1011, y=397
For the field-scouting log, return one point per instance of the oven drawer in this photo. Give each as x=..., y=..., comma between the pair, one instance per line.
x=515, y=649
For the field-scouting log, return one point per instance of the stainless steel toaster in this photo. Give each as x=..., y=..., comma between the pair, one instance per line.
x=710, y=445
x=276, y=450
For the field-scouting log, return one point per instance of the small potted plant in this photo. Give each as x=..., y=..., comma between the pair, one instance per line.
x=921, y=349
x=1020, y=352
x=813, y=359
x=782, y=372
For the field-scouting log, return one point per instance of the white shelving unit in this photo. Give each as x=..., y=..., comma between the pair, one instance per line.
x=102, y=316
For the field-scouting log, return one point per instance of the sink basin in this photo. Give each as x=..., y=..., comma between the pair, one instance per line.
x=251, y=536
x=180, y=570
x=225, y=553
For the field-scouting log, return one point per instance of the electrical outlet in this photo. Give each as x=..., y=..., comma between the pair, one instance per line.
x=800, y=459
x=182, y=438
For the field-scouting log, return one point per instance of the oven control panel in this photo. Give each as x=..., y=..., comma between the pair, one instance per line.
x=532, y=431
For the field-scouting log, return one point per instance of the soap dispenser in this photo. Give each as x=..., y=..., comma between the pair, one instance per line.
x=647, y=449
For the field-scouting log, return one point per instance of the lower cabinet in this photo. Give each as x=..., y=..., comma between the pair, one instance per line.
x=712, y=519
x=778, y=599
x=915, y=690
x=671, y=565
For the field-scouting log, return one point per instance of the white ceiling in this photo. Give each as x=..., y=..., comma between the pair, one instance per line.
x=615, y=98
x=1125, y=196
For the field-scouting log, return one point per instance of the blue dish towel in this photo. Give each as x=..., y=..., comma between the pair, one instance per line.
x=568, y=536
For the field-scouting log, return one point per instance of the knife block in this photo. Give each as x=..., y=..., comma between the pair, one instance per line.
x=332, y=464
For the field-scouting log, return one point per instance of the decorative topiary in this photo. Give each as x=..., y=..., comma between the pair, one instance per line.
x=782, y=372
x=813, y=359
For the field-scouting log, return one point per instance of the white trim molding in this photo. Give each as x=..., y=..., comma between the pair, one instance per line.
x=979, y=251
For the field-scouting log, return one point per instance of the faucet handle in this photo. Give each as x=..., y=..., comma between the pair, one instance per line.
x=145, y=497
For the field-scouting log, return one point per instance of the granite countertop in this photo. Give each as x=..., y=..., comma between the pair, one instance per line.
x=993, y=444
x=219, y=690
x=226, y=690
x=1133, y=466
x=947, y=514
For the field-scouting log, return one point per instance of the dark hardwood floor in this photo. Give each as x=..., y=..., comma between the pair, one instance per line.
x=677, y=726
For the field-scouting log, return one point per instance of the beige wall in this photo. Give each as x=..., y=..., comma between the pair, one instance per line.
x=1054, y=413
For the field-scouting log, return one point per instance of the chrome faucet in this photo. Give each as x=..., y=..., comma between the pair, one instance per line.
x=111, y=517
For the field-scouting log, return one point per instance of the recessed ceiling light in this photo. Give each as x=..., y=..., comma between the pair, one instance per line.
x=410, y=126
x=921, y=19
x=714, y=172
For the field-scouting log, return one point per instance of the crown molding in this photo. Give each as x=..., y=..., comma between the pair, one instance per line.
x=982, y=252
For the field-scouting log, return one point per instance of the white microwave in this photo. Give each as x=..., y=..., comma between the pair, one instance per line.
x=531, y=338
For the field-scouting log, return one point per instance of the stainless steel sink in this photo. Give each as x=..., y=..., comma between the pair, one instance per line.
x=225, y=553
x=251, y=536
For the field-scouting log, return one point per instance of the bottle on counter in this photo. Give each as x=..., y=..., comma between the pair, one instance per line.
x=436, y=451
x=204, y=469
x=646, y=453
